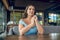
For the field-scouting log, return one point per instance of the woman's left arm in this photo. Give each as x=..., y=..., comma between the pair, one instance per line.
x=39, y=27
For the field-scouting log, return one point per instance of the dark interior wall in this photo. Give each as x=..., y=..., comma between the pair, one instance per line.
x=38, y=4
x=8, y=15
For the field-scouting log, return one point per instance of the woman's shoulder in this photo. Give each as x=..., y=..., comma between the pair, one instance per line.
x=22, y=20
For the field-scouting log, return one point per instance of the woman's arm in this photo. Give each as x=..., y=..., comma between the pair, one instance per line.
x=39, y=27
x=23, y=29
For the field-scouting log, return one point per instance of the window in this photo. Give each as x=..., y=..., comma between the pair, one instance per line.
x=40, y=16
x=16, y=16
x=3, y=18
x=53, y=19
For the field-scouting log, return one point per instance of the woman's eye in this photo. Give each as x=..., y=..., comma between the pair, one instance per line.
x=33, y=9
x=30, y=9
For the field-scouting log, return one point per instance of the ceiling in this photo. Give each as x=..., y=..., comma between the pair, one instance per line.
x=42, y=5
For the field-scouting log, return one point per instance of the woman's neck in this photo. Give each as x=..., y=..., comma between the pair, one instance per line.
x=29, y=17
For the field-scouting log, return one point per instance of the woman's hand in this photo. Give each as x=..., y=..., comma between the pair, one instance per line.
x=33, y=21
x=39, y=27
x=36, y=19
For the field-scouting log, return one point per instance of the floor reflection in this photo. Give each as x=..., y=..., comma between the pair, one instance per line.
x=23, y=38
x=34, y=37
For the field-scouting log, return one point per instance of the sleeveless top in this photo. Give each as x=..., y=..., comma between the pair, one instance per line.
x=31, y=31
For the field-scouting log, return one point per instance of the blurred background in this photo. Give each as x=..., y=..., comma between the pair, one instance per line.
x=48, y=12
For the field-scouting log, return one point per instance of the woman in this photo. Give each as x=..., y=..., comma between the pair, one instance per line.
x=29, y=23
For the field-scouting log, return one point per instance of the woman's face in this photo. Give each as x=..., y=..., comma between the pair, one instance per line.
x=31, y=10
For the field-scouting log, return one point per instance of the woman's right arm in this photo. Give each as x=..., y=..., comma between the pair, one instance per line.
x=23, y=30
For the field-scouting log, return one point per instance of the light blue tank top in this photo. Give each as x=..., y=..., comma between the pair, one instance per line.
x=31, y=31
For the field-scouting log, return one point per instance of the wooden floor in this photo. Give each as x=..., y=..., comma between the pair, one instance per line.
x=34, y=37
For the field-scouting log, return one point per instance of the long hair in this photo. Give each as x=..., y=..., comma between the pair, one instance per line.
x=25, y=12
